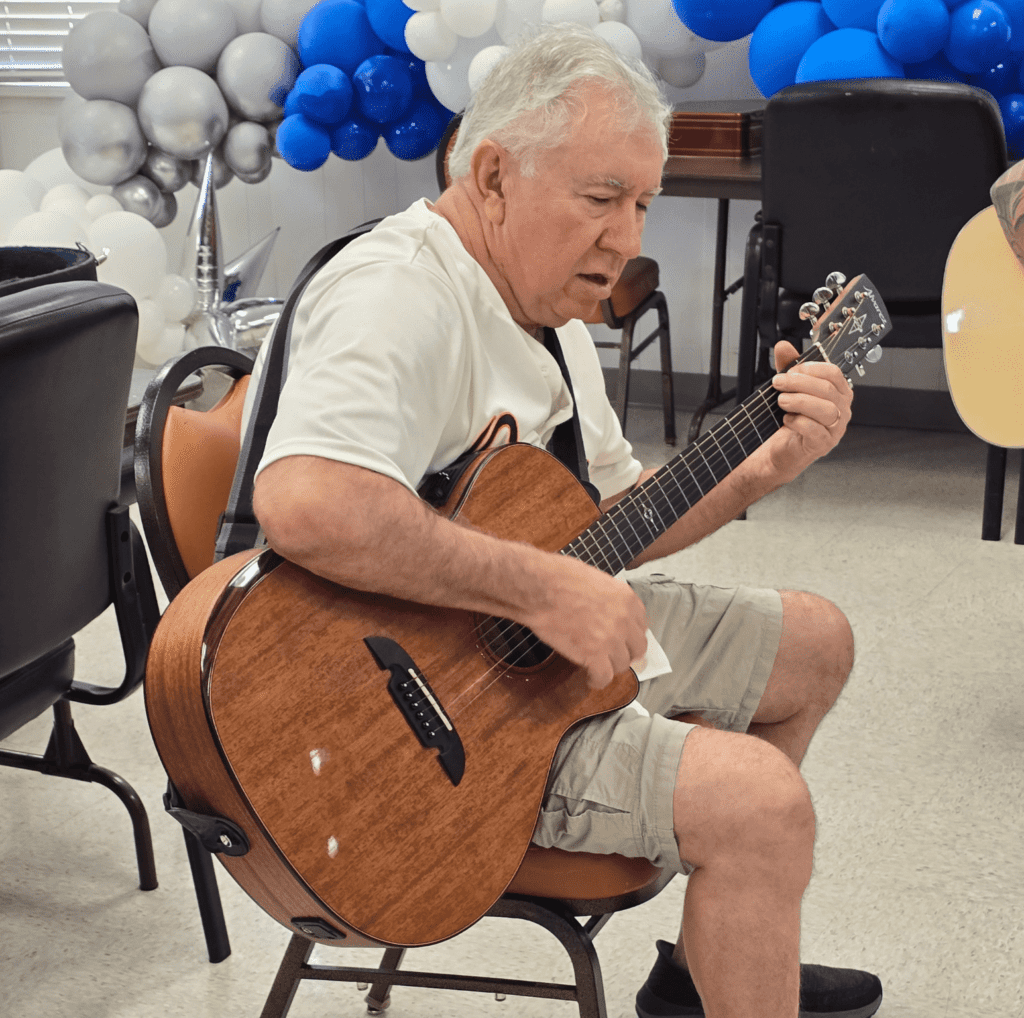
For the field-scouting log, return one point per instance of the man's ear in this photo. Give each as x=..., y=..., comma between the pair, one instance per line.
x=488, y=171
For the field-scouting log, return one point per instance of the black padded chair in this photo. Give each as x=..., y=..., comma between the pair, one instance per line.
x=67, y=549
x=875, y=176
x=635, y=293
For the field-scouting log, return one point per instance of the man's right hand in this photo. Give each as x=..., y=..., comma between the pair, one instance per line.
x=590, y=618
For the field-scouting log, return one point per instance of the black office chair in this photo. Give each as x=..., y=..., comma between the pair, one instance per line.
x=635, y=293
x=875, y=176
x=67, y=549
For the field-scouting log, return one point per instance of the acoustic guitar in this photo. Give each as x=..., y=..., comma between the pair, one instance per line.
x=377, y=766
x=982, y=336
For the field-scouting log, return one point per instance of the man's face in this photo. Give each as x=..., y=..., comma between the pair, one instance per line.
x=570, y=229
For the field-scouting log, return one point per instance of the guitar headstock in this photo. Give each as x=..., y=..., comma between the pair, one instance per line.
x=848, y=321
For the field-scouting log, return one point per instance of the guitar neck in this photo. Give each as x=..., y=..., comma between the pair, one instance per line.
x=639, y=518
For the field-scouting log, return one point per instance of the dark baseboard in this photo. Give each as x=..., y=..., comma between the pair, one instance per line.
x=875, y=405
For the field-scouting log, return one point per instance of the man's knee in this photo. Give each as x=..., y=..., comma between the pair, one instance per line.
x=817, y=630
x=741, y=801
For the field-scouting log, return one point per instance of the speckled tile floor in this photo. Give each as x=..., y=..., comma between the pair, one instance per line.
x=916, y=775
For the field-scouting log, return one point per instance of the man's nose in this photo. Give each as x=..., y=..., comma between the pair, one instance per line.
x=622, y=235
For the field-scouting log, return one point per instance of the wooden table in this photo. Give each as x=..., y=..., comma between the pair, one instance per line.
x=723, y=178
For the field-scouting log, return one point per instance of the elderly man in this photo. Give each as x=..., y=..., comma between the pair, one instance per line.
x=424, y=339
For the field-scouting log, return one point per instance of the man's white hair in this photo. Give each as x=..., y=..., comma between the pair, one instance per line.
x=528, y=101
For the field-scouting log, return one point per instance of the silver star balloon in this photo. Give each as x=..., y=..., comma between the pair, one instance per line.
x=226, y=313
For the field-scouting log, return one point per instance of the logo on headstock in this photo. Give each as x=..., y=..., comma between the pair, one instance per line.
x=857, y=323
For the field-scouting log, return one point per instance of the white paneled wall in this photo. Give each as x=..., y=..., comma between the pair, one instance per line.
x=313, y=208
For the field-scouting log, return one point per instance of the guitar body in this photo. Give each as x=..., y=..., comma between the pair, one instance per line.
x=982, y=337
x=269, y=708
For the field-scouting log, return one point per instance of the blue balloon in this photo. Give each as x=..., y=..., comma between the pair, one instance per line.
x=324, y=94
x=913, y=30
x=337, y=32
x=388, y=18
x=853, y=13
x=979, y=36
x=354, y=139
x=417, y=133
x=936, y=68
x=1012, y=108
x=291, y=103
x=847, y=53
x=1014, y=10
x=722, y=20
x=780, y=41
x=302, y=143
x=1000, y=79
x=383, y=88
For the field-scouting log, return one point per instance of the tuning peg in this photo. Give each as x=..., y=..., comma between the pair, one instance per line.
x=874, y=355
x=836, y=280
x=809, y=311
x=860, y=369
x=823, y=295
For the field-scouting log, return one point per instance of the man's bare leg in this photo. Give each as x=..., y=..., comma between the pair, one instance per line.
x=753, y=848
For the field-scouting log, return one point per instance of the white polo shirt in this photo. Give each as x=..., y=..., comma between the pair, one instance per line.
x=404, y=356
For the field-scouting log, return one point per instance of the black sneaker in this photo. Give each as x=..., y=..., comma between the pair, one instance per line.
x=824, y=992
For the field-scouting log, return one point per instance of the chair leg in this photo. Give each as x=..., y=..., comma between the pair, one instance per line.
x=995, y=479
x=1018, y=532
x=625, y=359
x=289, y=975
x=668, y=399
x=204, y=879
x=379, y=997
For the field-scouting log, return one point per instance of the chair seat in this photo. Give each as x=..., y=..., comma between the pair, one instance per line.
x=553, y=873
x=638, y=281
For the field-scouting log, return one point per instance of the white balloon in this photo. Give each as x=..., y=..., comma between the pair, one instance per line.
x=515, y=17
x=480, y=66
x=422, y=5
x=176, y=297
x=51, y=169
x=138, y=256
x=612, y=10
x=283, y=18
x=247, y=15
x=69, y=207
x=622, y=38
x=16, y=182
x=14, y=207
x=709, y=45
x=681, y=72
x=62, y=194
x=659, y=29
x=429, y=38
x=47, y=229
x=160, y=342
x=102, y=205
x=582, y=12
x=469, y=18
x=449, y=79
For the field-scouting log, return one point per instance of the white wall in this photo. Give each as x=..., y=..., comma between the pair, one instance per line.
x=313, y=208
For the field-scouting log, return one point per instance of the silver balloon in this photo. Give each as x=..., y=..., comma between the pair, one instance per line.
x=247, y=149
x=222, y=173
x=210, y=328
x=272, y=131
x=182, y=112
x=247, y=15
x=168, y=173
x=108, y=55
x=256, y=72
x=258, y=177
x=252, y=319
x=102, y=142
x=166, y=210
x=242, y=276
x=139, y=195
x=137, y=9
x=202, y=261
x=190, y=34
x=282, y=18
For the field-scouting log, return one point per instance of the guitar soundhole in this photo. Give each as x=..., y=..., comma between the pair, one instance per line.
x=512, y=643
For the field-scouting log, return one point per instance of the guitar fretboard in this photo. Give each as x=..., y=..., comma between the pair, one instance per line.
x=642, y=516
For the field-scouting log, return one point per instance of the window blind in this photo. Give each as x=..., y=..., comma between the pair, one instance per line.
x=32, y=34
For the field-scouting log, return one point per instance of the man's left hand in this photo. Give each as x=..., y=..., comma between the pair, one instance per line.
x=817, y=402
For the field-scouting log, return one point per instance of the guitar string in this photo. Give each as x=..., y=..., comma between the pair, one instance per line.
x=530, y=640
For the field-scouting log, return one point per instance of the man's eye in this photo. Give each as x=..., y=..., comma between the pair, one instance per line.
x=598, y=200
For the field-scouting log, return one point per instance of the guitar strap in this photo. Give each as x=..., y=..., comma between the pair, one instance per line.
x=238, y=529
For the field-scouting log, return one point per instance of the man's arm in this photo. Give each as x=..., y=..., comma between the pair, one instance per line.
x=817, y=401
x=367, y=531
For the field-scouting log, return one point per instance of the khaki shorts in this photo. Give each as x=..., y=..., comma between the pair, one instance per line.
x=612, y=780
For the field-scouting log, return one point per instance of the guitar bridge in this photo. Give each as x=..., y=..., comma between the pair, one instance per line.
x=419, y=705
